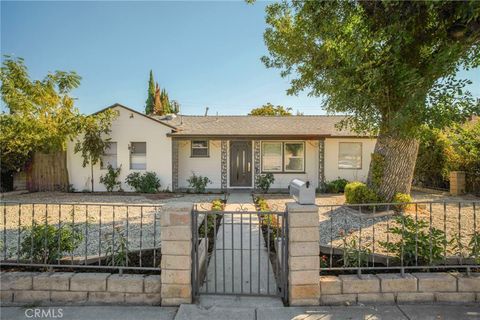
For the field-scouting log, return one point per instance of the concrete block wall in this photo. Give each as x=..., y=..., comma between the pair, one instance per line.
x=60, y=288
x=176, y=236
x=303, y=253
x=390, y=288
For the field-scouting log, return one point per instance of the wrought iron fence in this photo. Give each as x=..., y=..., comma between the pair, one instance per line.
x=80, y=235
x=240, y=252
x=418, y=235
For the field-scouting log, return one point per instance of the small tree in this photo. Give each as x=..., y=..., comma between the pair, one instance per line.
x=93, y=145
x=151, y=95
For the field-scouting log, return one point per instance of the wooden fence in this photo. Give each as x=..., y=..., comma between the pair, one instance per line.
x=48, y=172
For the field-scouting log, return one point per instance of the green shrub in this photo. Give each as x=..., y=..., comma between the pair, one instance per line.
x=46, y=243
x=354, y=255
x=116, y=247
x=403, y=199
x=336, y=186
x=357, y=192
x=198, y=183
x=264, y=181
x=144, y=183
x=109, y=180
x=416, y=238
x=262, y=204
x=217, y=205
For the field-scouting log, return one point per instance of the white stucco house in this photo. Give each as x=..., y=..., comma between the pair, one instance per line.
x=230, y=150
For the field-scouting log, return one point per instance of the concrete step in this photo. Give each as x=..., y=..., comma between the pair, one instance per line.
x=207, y=301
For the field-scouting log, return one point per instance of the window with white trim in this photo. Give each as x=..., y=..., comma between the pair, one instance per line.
x=110, y=156
x=200, y=149
x=294, y=156
x=138, y=155
x=272, y=156
x=283, y=156
x=350, y=155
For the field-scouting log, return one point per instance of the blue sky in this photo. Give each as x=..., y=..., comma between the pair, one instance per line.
x=206, y=54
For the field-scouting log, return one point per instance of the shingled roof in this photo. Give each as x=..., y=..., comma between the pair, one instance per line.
x=257, y=126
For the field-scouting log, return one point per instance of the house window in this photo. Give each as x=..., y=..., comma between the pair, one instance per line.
x=272, y=156
x=350, y=155
x=200, y=149
x=283, y=156
x=110, y=156
x=138, y=155
x=294, y=156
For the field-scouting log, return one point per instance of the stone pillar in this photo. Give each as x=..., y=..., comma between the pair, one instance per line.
x=303, y=255
x=176, y=237
x=457, y=183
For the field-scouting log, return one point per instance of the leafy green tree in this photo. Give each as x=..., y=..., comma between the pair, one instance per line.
x=40, y=114
x=269, y=109
x=95, y=140
x=151, y=95
x=165, y=102
x=389, y=65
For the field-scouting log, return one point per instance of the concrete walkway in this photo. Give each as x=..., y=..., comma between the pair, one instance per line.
x=239, y=263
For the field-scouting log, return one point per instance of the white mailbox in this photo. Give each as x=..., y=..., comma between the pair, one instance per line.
x=302, y=191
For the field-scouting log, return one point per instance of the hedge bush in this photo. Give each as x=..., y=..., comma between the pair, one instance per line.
x=336, y=186
x=144, y=183
x=357, y=192
x=402, y=199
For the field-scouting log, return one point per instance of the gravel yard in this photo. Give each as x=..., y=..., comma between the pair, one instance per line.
x=457, y=223
x=102, y=219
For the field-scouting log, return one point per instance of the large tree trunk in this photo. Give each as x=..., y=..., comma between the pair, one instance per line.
x=392, y=166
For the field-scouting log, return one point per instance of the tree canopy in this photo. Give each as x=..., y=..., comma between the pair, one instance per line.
x=389, y=65
x=269, y=109
x=40, y=113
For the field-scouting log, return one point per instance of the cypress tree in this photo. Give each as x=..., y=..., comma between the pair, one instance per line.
x=151, y=95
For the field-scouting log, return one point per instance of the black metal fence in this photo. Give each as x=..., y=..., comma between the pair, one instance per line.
x=240, y=252
x=386, y=236
x=80, y=235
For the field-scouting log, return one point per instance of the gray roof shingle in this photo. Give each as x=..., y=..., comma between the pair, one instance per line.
x=265, y=126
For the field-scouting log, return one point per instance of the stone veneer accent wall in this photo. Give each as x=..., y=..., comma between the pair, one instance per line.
x=224, y=156
x=321, y=164
x=390, y=288
x=174, y=165
x=256, y=161
x=68, y=288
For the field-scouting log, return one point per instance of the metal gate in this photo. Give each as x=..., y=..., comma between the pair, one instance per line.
x=240, y=253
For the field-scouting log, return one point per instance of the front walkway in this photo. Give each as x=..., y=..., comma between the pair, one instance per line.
x=239, y=263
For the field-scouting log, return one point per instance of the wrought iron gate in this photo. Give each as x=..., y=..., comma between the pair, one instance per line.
x=240, y=253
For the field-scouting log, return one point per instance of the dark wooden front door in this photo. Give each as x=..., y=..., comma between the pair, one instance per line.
x=240, y=163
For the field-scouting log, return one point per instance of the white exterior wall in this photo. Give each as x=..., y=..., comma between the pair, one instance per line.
x=332, y=171
x=209, y=167
x=282, y=180
x=126, y=129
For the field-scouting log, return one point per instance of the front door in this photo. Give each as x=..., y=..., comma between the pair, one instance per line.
x=240, y=163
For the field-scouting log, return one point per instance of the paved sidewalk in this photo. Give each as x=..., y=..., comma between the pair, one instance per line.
x=88, y=313
x=240, y=243
x=218, y=312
